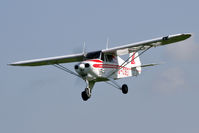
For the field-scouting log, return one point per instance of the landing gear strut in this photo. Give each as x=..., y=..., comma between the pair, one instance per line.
x=124, y=87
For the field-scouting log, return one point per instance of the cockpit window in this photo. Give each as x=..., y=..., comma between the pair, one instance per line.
x=109, y=58
x=93, y=55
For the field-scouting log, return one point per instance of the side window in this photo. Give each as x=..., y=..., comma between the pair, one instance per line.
x=110, y=58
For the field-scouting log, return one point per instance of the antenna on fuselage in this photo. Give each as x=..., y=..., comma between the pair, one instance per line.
x=107, y=43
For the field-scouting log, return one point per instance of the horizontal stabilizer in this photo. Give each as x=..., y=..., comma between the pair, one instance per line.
x=146, y=65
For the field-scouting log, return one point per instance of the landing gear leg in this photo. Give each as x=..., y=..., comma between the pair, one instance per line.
x=124, y=87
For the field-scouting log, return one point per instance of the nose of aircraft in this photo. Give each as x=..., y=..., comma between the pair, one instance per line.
x=81, y=67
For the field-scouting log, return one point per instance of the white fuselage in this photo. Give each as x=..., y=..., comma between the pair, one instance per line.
x=98, y=70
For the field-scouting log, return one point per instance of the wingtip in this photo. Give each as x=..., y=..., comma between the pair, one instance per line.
x=188, y=35
x=11, y=64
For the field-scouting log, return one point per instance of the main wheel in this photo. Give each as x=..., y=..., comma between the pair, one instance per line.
x=84, y=96
x=124, y=89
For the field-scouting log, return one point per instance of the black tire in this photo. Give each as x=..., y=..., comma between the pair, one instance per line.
x=124, y=89
x=84, y=96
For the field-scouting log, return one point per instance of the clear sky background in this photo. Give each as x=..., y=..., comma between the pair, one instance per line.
x=46, y=100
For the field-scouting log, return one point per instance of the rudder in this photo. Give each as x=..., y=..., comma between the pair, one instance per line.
x=135, y=63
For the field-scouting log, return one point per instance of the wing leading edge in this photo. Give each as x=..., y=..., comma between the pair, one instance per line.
x=50, y=60
x=121, y=50
x=135, y=47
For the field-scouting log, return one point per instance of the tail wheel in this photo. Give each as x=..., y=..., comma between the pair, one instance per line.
x=124, y=89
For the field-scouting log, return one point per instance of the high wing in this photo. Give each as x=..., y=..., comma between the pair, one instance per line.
x=50, y=60
x=121, y=50
x=135, y=47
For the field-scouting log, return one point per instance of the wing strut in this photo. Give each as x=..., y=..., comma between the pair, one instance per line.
x=66, y=69
x=114, y=83
x=127, y=60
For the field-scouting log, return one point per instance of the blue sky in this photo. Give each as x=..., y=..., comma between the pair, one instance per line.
x=44, y=99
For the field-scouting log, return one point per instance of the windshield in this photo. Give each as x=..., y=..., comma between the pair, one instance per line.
x=93, y=55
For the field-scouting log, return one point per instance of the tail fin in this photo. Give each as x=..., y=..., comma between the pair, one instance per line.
x=135, y=63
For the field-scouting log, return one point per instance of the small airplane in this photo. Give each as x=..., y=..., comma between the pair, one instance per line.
x=106, y=65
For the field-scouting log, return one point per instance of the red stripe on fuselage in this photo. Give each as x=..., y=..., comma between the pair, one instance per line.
x=110, y=66
x=96, y=60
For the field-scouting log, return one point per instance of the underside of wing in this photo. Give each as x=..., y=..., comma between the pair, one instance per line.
x=50, y=60
x=121, y=50
x=135, y=47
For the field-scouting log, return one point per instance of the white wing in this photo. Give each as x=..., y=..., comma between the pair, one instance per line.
x=135, y=47
x=50, y=60
x=121, y=50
